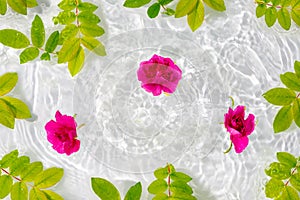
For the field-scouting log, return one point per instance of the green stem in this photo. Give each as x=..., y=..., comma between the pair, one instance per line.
x=232, y=101
x=229, y=149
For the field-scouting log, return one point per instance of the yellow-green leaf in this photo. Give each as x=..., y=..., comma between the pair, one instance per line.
x=196, y=17
x=158, y=186
x=31, y=3
x=286, y=159
x=31, y=171
x=29, y=54
x=48, y=177
x=283, y=119
x=9, y=158
x=296, y=15
x=3, y=7
x=6, y=115
x=273, y=188
x=19, y=165
x=69, y=50
x=280, y=96
x=37, y=32
x=289, y=193
x=70, y=31
x=105, y=189
x=19, y=191
x=93, y=45
x=184, y=7
x=52, y=42
x=37, y=194
x=76, y=64
x=134, y=192
x=135, y=3
x=7, y=82
x=13, y=38
x=218, y=5
x=296, y=111
x=261, y=10
x=297, y=68
x=52, y=195
x=290, y=80
x=86, y=6
x=67, y=5
x=88, y=17
x=5, y=185
x=284, y=18
x=91, y=30
x=19, y=6
x=270, y=16
x=65, y=17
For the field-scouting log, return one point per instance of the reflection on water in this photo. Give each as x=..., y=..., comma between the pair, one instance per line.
x=128, y=132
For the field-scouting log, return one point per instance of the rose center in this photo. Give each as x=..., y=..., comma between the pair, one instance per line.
x=62, y=136
x=237, y=124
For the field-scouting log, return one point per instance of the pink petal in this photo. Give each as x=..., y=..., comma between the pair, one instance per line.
x=239, y=111
x=71, y=147
x=66, y=121
x=227, y=118
x=240, y=142
x=154, y=88
x=249, y=124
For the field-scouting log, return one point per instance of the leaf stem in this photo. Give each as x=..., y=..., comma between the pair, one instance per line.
x=229, y=149
x=17, y=178
x=169, y=181
x=294, y=170
x=298, y=95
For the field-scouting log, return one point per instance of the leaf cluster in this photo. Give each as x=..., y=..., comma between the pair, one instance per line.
x=285, y=178
x=81, y=30
x=193, y=9
x=17, y=174
x=19, y=6
x=11, y=108
x=170, y=184
x=106, y=190
x=287, y=98
x=282, y=10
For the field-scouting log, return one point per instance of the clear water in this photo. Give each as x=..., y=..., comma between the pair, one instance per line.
x=129, y=133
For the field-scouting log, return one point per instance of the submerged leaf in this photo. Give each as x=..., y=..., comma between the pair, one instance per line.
x=218, y=5
x=286, y=159
x=9, y=158
x=295, y=181
x=284, y=18
x=7, y=82
x=105, y=189
x=52, y=42
x=29, y=54
x=93, y=45
x=290, y=80
x=278, y=171
x=76, y=64
x=184, y=7
x=92, y=30
x=36, y=194
x=31, y=171
x=283, y=119
x=48, y=177
x=134, y=192
x=52, y=195
x=196, y=17
x=261, y=10
x=270, y=16
x=158, y=186
x=19, y=165
x=86, y=6
x=6, y=115
x=13, y=38
x=273, y=188
x=135, y=3
x=69, y=50
x=19, y=191
x=6, y=183
x=88, y=17
x=37, y=32
x=296, y=111
x=289, y=193
x=19, y=6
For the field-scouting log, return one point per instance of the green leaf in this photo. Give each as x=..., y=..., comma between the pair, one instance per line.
x=6, y=115
x=296, y=15
x=270, y=16
x=9, y=158
x=19, y=6
x=184, y=7
x=290, y=80
x=70, y=31
x=286, y=159
x=31, y=171
x=275, y=2
x=67, y=5
x=161, y=173
x=19, y=191
x=180, y=187
x=135, y=3
x=45, y=56
x=295, y=181
x=3, y=7
x=179, y=176
x=93, y=45
x=76, y=64
x=169, y=12
x=86, y=6
x=283, y=119
x=29, y=54
x=153, y=10
x=37, y=194
x=295, y=3
x=88, y=17
x=52, y=195
x=19, y=165
x=296, y=111
x=105, y=189
x=218, y=5
x=5, y=185
x=278, y=171
x=37, y=32
x=297, y=68
x=7, y=82
x=285, y=3
x=289, y=193
x=180, y=196
x=52, y=42
x=161, y=196
x=65, y=17
x=196, y=17
x=91, y=30
x=261, y=10
x=31, y=3
x=280, y=96
x=284, y=18
x=48, y=177
x=13, y=38
x=134, y=192
x=274, y=188
x=164, y=2
x=158, y=186
x=69, y=50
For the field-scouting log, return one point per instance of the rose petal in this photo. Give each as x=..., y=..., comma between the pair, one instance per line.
x=71, y=147
x=249, y=124
x=240, y=142
x=239, y=111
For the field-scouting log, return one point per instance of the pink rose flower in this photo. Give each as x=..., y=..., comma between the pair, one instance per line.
x=62, y=134
x=238, y=127
x=159, y=74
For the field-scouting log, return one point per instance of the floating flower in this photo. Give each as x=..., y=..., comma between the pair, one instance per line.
x=62, y=134
x=159, y=75
x=239, y=127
